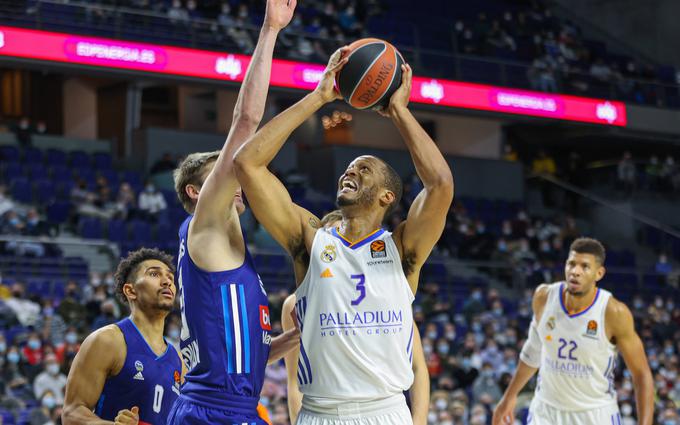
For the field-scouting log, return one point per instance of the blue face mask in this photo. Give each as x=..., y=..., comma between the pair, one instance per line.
x=34, y=344
x=49, y=402
x=13, y=357
x=3, y=347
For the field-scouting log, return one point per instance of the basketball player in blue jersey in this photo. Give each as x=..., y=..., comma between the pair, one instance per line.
x=356, y=281
x=575, y=337
x=225, y=336
x=127, y=373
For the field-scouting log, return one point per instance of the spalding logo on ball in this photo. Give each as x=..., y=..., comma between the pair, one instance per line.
x=372, y=73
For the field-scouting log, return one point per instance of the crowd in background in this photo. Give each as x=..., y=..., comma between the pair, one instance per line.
x=471, y=344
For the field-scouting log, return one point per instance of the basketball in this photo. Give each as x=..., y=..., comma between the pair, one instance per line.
x=371, y=74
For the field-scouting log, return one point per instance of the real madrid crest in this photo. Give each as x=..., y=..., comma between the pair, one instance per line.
x=551, y=323
x=329, y=254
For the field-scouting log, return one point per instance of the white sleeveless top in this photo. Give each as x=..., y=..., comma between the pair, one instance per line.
x=577, y=359
x=354, y=307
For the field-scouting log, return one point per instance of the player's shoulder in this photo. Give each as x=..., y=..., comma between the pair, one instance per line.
x=104, y=347
x=617, y=312
x=542, y=292
x=110, y=336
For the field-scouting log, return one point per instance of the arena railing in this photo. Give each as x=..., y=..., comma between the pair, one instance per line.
x=156, y=27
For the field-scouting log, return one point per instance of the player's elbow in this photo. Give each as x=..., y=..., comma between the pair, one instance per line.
x=69, y=414
x=243, y=164
x=246, y=121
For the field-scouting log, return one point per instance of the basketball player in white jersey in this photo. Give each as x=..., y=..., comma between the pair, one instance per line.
x=574, y=339
x=356, y=282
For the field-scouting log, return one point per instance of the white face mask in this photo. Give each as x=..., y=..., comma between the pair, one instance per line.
x=52, y=369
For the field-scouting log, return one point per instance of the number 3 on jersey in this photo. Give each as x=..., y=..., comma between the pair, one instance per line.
x=361, y=288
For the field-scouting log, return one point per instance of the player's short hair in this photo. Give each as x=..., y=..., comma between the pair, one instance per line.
x=129, y=266
x=589, y=246
x=393, y=184
x=190, y=171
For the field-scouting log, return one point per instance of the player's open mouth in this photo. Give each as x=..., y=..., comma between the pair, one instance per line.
x=348, y=186
x=167, y=293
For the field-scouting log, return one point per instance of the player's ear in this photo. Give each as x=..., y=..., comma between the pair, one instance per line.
x=129, y=291
x=601, y=271
x=387, y=197
x=192, y=190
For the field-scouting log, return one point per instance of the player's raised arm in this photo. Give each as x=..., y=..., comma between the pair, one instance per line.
x=217, y=194
x=619, y=318
x=427, y=215
x=99, y=355
x=267, y=196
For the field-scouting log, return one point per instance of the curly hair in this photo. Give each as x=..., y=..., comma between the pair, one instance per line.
x=589, y=246
x=128, y=266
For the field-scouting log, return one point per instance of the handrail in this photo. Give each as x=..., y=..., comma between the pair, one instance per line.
x=111, y=247
x=606, y=203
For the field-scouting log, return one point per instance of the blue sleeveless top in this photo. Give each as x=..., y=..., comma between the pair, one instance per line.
x=225, y=334
x=146, y=380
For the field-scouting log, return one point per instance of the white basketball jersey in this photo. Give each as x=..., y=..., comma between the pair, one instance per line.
x=354, y=307
x=577, y=359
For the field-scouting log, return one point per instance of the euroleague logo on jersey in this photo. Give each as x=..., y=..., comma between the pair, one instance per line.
x=265, y=320
x=591, y=329
x=378, y=249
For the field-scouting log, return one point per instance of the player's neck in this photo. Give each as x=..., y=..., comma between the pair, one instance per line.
x=151, y=327
x=577, y=303
x=357, y=227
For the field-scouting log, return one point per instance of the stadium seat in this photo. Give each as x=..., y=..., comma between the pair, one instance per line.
x=21, y=190
x=90, y=228
x=101, y=161
x=45, y=191
x=58, y=212
x=33, y=156
x=9, y=153
x=79, y=159
x=55, y=157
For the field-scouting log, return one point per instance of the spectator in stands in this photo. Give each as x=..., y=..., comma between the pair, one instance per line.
x=177, y=14
x=601, y=71
x=34, y=225
x=33, y=354
x=662, y=266
x=626, y=173
x=71, y=308
x=42, y=414
x=666, y=174
x=51, y=325
x=509, y=153
x=126, y=202
x=23, y=132
x=151, y=202
x=26, y=311
x=51, y=379
x=541, y=74
x=17, y=383
x=106, y=317
x=653, y=173
x=166, y=163
x=6, y=203
x=68, y=349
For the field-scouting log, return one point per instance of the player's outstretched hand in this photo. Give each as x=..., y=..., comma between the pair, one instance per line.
x=504, y=413
x=128, y=417
x=401, y=97
x=326, y=87
x=279, y=13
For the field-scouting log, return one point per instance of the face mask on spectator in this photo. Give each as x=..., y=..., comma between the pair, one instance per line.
x=476, y=295
x=149, y=188
x=3, y=347
x=637, y=304
x=626, y=409
x=427, y=349
x=443, y=349
x=451, y=335
x=49, y=402
x=440, y=404
x=487, y=373
x=467, y=363
x=476, y=327
x=34, y=344
x=52, y=369
x=432, y=334
x=669, y=351
x=431, y=418
x=670, y=306
x=658, y=303
x=71, y=338
x=13, y=357
x=498, y=311
x=654, y=364
x=48, y=311
x=173, y=333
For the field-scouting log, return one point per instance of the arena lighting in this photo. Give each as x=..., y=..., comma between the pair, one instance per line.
x=117, y=54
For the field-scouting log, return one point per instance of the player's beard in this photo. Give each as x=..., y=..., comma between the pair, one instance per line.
x=366, y=198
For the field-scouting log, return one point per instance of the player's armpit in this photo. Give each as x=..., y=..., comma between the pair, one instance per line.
x=100, y=356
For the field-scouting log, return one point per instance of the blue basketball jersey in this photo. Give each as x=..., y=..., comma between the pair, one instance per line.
x=225, y=334
x=146, y=380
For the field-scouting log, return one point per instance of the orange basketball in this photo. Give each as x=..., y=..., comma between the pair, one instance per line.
x=371, y=74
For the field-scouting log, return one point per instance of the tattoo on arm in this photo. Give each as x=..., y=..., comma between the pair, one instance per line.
x=314, y=222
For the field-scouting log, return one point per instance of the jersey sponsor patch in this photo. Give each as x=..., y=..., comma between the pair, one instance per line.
x=140, y=367
x=591, y=329
x=265, y=320
x=378, y=249
x=326, y=273
x=329, y=254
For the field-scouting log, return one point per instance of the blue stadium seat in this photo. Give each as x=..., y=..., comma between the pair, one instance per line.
x=9, y=153
x=60, y=173
x=140, y=231
x=58, y=212
x=21, y=190
x=101, y=161
x=117, y=230
x=55, y=157
x=90, y=228
x=79, y=159
x=45, y=191
x=36, y=171
x=33, y=156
